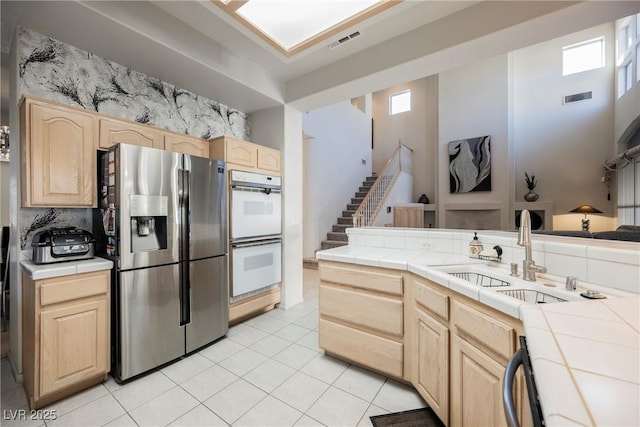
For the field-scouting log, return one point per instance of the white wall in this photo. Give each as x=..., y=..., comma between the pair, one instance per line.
x=337, y=159
x=564, y=145
x=473, y=102
x=267, y=127
x=417, y=129
x=281, y=128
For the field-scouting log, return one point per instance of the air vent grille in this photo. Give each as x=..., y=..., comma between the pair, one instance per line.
x=343, y=40
x=576, y=97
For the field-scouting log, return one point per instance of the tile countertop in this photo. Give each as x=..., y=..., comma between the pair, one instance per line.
x=585, y=354
x=66, y=268
x=586, y=361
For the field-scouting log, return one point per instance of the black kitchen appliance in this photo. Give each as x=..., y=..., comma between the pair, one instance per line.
x=61, y=244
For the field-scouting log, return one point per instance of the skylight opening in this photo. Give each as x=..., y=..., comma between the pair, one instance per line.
x=291, y=22
x=584, y=56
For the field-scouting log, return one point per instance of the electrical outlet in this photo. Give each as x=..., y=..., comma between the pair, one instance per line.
x=426, y=244
x=388, y=209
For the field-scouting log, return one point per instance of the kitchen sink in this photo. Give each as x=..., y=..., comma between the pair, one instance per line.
x=531, y=296
x=480, y=279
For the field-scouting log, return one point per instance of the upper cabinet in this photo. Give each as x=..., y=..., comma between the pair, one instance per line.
x=59, y=143
x=115, y=131
x=245, y=155
x=58, y=155
x=268, y=159
x=186, y=144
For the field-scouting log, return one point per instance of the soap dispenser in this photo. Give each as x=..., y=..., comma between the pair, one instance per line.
x=475, y=247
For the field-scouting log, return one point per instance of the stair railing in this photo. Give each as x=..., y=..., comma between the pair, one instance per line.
x=400, y=161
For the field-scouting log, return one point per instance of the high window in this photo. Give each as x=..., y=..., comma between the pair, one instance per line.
x=627, y=52
x=584, y=56
x=400, y=102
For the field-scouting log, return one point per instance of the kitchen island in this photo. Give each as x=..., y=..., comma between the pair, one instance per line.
x=585, y=354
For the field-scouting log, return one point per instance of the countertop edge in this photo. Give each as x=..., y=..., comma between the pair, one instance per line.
x=66, y=268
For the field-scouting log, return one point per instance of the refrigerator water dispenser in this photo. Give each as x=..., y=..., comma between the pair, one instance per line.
x=148, y=222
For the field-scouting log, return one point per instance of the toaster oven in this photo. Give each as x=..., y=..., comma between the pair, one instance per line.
x=61, y=244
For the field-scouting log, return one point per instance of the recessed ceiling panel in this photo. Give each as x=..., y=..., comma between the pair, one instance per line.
x=290, y=23
x=294, y=25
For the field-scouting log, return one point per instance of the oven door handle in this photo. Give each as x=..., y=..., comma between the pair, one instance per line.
x=254, y=243
x=507, y=388
x=267, y=189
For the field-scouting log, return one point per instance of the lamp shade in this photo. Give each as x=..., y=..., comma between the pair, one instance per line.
x=585, y=209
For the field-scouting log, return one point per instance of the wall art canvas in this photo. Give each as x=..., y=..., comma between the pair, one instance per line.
x=470, y=165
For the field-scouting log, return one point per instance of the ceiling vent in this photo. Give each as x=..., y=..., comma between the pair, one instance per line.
x=343, y=40
x=576, y=97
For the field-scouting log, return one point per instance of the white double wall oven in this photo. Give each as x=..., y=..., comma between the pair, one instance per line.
x=255, y=233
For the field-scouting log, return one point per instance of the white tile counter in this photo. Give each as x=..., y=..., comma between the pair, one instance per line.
x=66, y=268
x=585, y=354
x=586, y=361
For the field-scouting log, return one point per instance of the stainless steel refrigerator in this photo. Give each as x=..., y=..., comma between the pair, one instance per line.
x=162, y=220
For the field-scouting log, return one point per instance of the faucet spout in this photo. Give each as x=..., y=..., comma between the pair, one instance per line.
x=529, y=267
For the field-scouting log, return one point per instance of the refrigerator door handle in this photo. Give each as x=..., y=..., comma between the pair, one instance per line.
x=185, y=280
x=185, y=294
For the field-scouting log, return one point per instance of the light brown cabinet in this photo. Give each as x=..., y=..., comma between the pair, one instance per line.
x=59, y=145
x=58, y=150
x=245, y=155
x=114, y=131
x=452, y=349
x=476, y=392
x=430, y=346
x=65, y=334
x=480, y=349
x=408, y=216
x=187, y=145
x=362, y=316
x=268, y=159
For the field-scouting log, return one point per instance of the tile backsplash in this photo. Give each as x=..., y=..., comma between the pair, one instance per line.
x=613, y=264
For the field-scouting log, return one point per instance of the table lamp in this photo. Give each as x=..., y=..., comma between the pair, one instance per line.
x=585, y=209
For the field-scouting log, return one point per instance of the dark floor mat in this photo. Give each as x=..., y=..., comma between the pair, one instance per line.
x=423, y=417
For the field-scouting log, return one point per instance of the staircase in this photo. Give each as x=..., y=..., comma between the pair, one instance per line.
x=338, y=236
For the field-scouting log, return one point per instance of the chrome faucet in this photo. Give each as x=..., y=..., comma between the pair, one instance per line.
x=529, y=267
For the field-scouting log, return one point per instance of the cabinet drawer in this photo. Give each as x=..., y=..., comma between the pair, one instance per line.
x=381, y=354
x=491, y=332
x=68, y=288
x=362, y=278
x=434, y=301
x=384, y=314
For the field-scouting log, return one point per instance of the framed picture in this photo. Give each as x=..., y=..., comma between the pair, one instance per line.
x=470, y=165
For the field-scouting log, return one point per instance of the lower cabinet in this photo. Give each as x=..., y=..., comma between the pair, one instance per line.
x=362, y=316
x=432, y=371
x=476, y=392
x=66, y=335
x=451, y=348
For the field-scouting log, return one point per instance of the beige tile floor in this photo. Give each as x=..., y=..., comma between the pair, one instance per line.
x=268, y=371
